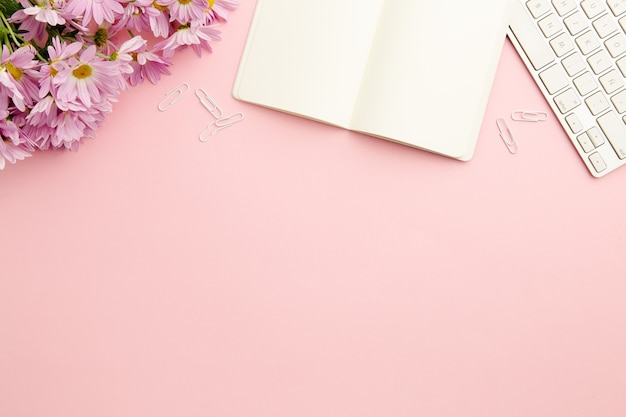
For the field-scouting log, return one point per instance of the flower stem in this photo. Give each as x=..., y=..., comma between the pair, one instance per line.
x=18, y=41
x=9, y=28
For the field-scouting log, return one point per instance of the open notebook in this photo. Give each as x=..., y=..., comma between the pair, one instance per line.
x=411, y=71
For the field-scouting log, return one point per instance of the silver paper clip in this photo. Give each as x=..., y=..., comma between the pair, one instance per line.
x=172, y=96
x=208, y=103
x=529, y=116
x=220, y=124
x=507, y=135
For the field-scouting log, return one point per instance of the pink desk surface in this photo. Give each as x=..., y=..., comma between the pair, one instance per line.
x=291, y=269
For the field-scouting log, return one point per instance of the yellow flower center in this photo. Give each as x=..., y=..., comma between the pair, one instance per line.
x=158, y=6
x=101, y=36
x=15, y=72
x=184, y=1
x=211, y=3
x=83, y=71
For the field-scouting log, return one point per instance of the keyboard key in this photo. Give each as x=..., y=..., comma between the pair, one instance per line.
x=615, y=131
x=598, y=163
x=592, y=8
x=567, y=100
x=574, y=123
x=597, y=103
x=562, y=44
x=550, y=25
x=619, y=101
x=599, y=62
x=538, y=7
x=612, y=81
x=585, y=83
x=595, y=136
x=575, y=23
x=587, y=42
x=533, y=44
x=554, y=78
x=616, y=45
x=563, y=7
x=621, y=64
x=574, y=64
x=604, y=25
x=617, y=6
x=585, y=143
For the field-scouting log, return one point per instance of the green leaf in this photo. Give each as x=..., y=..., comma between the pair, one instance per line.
x=8, y=7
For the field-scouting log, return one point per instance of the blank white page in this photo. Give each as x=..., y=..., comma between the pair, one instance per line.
x=430, y=73
x=308, y=57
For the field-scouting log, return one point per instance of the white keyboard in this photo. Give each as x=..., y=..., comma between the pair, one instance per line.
x=576, y=51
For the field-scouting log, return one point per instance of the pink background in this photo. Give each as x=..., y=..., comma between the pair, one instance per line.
x=288, y=268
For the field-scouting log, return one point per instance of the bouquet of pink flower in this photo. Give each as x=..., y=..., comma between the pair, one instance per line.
x=64, y=62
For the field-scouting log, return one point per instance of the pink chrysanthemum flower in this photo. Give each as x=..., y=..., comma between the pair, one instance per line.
x=219, y=10
x=103, y=37
x=40, y=120
x=205, y=34
x=70, y=128
x=21, y=66
x=185, y=11
x=34, y=20
x=137, y=15
x=194, y=35
x=11, y=152
x=148, y=65
x=8, y=90
x=10, y=76
x=126, y=55
x=97, y=10
x=128, y=52
x=11, y=132
x=59, y=54
x=160, y=24
x=45, y=13
x=14, y=145
x=87, y=80
x=49, y=127
x=31, y=28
